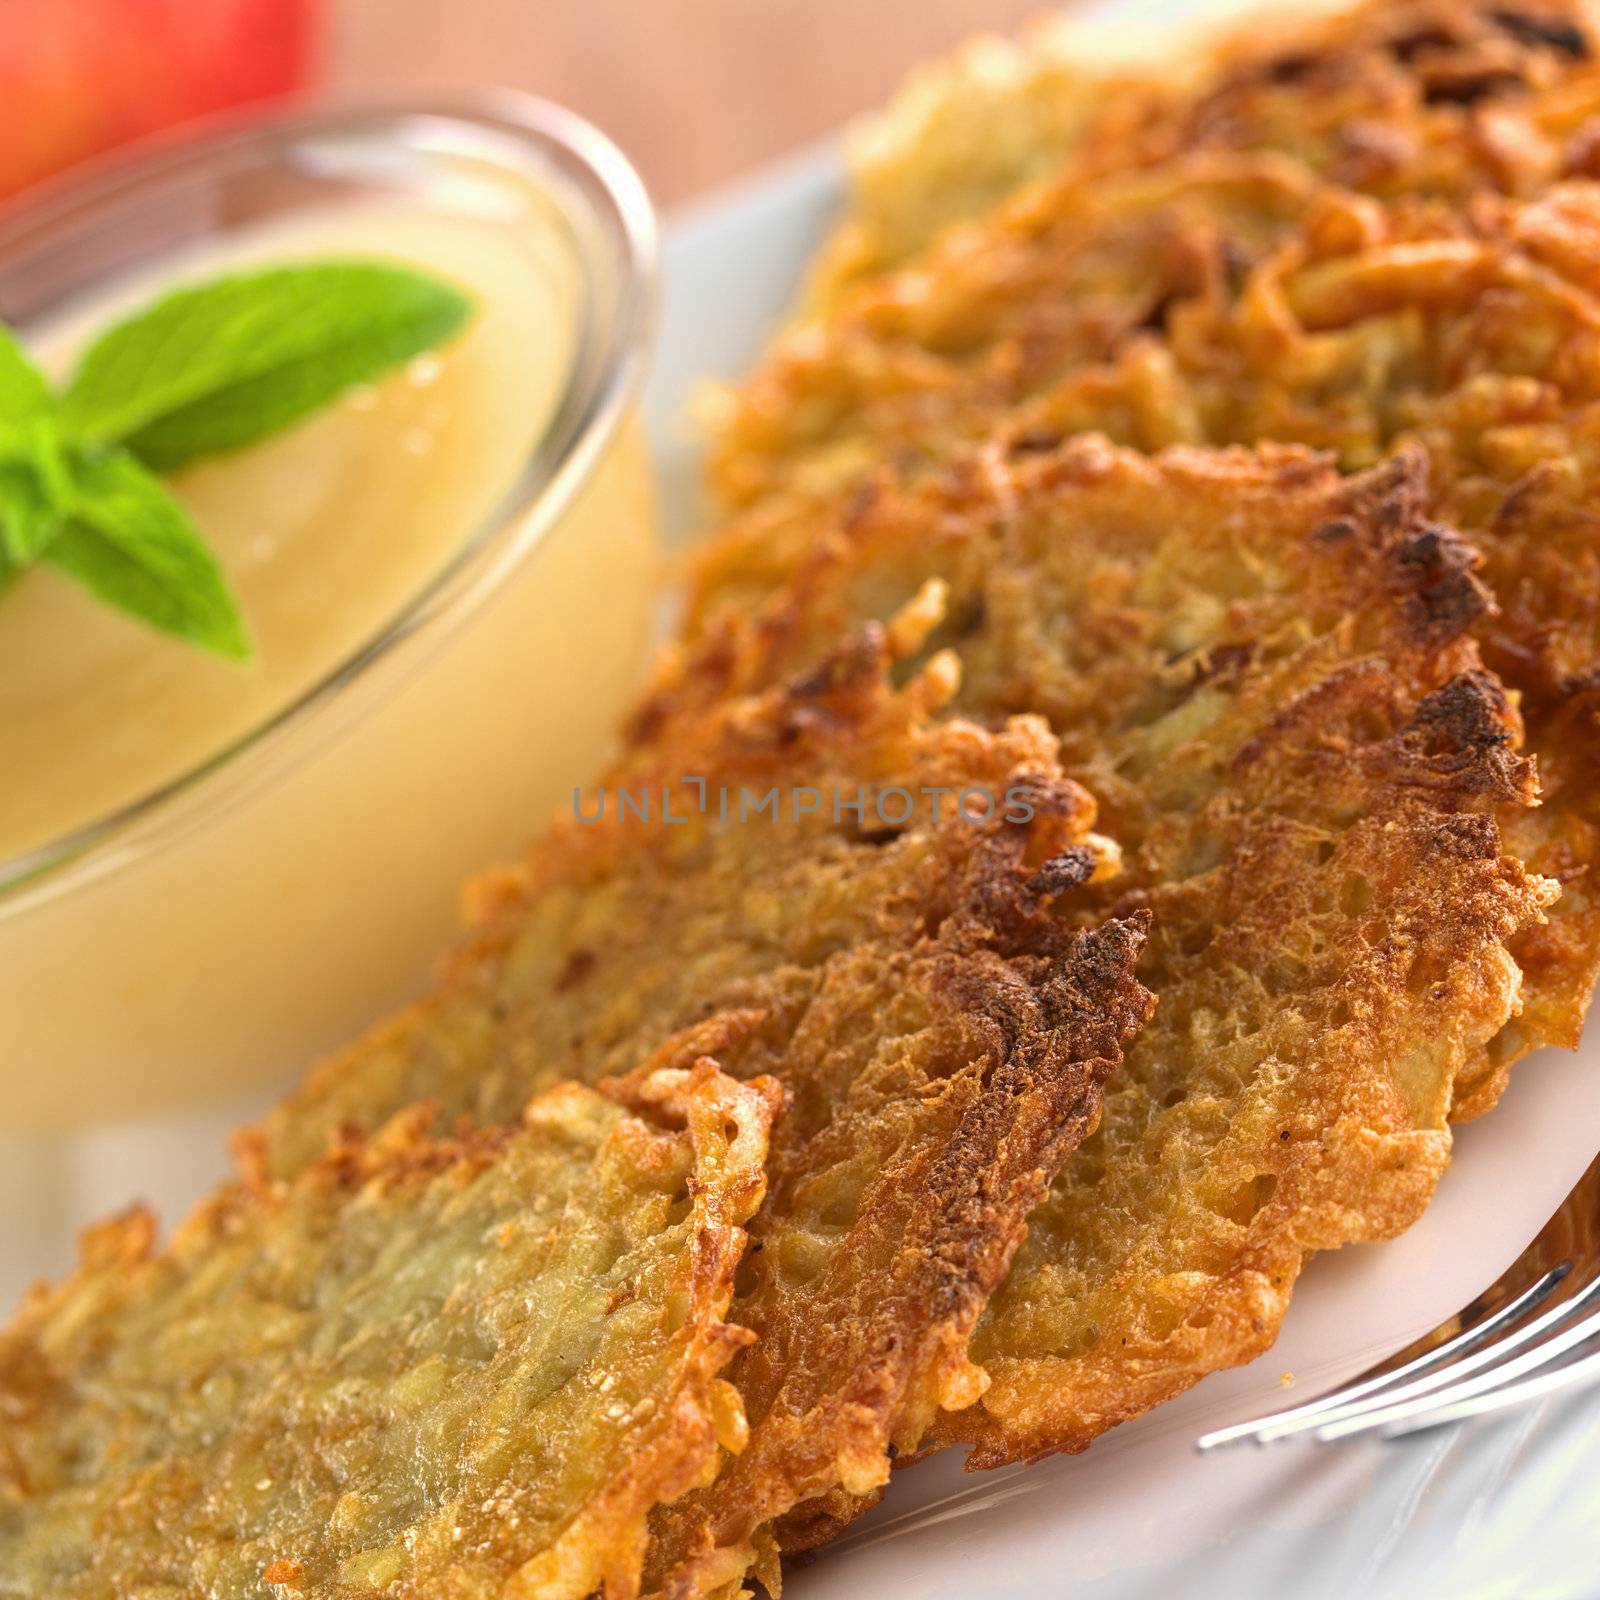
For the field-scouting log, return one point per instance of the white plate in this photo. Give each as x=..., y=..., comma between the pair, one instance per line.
x=1501, y=1510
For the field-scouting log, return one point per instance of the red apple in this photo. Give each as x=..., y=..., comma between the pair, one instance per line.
x=79, y=76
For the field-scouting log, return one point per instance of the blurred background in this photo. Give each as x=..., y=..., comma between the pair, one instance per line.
x=697, y=91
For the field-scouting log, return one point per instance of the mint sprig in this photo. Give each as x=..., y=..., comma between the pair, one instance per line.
x=130, y=543
x=35, y=487
x=205, y=370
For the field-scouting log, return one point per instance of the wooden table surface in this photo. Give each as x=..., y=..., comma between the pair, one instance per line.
x=696, y=91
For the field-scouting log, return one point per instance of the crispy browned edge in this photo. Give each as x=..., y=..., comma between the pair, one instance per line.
x=914, y=1278
x=728, y=1123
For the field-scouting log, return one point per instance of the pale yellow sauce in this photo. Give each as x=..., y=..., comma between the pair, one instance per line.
x=325, y=532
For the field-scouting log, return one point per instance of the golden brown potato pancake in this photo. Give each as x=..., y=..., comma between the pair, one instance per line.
x=909, y=975
x=1235, y=263
x=1363, y=94
x=1267, y=673
x=1174, y=197
x=466, y=1365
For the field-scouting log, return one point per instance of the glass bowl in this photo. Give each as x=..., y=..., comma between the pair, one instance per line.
x=281, y=892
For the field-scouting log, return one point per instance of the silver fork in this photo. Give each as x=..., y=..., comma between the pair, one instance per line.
x=1534, y=1331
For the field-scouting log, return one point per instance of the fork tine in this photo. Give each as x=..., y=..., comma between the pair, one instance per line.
x=1451, y=1388
x=1569, y=1374
x=1297, y=1419
x=1490, y=1356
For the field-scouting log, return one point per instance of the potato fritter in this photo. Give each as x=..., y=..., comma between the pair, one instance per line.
x=1266, y=672
x=1175, y=197
x=905, y=971
x=964, y=133
x=1354, y=239
x=427, y=1365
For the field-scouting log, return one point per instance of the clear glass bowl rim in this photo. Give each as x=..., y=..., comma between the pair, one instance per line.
x=601, y=385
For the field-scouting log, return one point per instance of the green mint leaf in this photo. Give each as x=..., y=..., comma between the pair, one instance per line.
x=217, y=366
x=35, y=487
x=131, y=544
x=23, y=390
x=27, y=525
